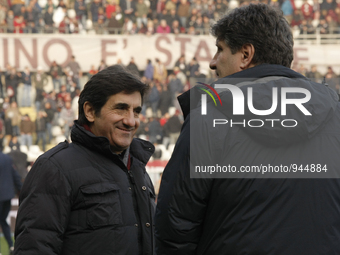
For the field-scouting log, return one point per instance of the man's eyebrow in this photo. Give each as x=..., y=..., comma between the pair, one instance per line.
x=126, y=106
x=138, y=109
x=121, y=105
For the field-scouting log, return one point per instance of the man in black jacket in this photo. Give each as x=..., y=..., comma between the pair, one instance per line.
x=257, y=172
x=93, y=196
x=10, y=185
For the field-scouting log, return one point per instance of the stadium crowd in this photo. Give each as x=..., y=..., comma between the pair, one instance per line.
x=152, y=16
x=38, y=108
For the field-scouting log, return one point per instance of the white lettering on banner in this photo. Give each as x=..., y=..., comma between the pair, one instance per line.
x=41, y=49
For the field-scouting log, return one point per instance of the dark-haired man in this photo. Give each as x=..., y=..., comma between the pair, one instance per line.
x=93, y=196
x=257, y=172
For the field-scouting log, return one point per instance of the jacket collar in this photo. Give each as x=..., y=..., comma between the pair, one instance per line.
x=140, y=149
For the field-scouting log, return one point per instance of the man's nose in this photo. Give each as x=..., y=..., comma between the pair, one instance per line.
x=129, y=119
x=212, y=64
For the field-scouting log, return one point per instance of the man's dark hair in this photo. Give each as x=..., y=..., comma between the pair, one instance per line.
x=108, y=82
x=262, y=26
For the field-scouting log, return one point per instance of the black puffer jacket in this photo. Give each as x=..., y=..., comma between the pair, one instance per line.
x=254, y=214
x=79, y=198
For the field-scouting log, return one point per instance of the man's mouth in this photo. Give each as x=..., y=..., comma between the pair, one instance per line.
x=126, y=129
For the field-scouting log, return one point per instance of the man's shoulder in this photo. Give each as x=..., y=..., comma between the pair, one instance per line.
x=60, y=148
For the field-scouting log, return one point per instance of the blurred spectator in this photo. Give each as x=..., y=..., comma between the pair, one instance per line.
x=19, y=24
x=50, y=3
x=306, y=10
x=150, y=28
x=316, y=6
x=116, y=22
x=143, y=29
x=154, y=130
x=180, y=63
x=152, y=98
x=297, y=18
x=31, y=16
x=141, y=12
x=2, y=94
x=64, y=26
x=163, y=28
x=27, y=128
x=12, y=120
x=16, y=6
x=14, y=143
x=76, y=70
x=67, y=116
x=19, y=160
x=10, y=184
x=332, y=79
x=183, y=12
x=12, y=79
x=193, y=67
x=48, y=20
x=328, y=5
x=40, y=80
x=26, y=77
x=171, y=5
x=175, y=86
x=40, y=124
x=56, y=74
x=332, y=25
x=92, y=71
x=287, y=10
x=81, y=12
x=75, y=97
x=171, y=17
x=102, y=65
x=2, y=133
x=175, y=27
x=323, y=26
x=100, y=26
x=110, y=8
x=62, y=4
x=173, y=127
x=191, y=31
x=50, y=113
x=148, y=73
x=10, y=21
x=132, y=67
x=314, y=74
x=307, y=27
x=3, y=13
x=160, y=72
x=221, y=7
x=165, y=100
x=64, y=95
x=128, y=8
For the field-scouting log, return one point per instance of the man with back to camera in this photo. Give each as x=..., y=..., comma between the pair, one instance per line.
x=10, y=185
x=93, y=196
x=278, y=212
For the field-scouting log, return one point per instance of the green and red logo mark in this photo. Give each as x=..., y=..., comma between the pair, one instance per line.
x=204, y=97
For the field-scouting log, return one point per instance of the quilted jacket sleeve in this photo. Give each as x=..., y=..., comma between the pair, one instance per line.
x=43, y=211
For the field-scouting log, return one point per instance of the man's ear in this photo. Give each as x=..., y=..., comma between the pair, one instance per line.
x=248, y=52
x=89, y=111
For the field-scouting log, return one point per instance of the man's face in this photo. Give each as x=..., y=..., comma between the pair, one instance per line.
x=224, y=62
x=119, y=120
